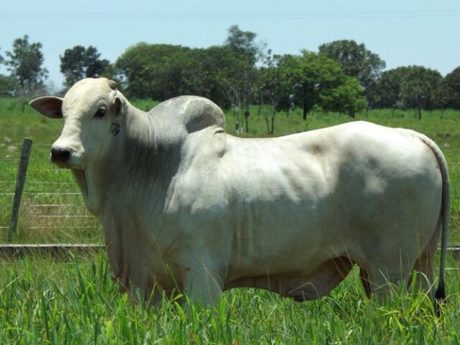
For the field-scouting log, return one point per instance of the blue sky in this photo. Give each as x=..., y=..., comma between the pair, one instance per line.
x=401, y=32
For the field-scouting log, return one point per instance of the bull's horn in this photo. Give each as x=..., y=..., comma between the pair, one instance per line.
x=113, y=84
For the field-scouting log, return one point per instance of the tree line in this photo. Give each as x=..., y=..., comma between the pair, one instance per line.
x=343, y=76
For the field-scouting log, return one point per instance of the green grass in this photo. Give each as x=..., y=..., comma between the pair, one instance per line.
x=46, y=302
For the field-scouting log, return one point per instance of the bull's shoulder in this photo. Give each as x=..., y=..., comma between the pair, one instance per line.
x=193, y=112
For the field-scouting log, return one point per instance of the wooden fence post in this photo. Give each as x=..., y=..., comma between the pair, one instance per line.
x=20, y=181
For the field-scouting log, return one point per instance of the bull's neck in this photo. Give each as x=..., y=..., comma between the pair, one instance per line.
x=141, y=163
x=149, y=146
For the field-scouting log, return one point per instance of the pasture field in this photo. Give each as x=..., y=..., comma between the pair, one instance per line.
x=48, y=302
x=45, y=301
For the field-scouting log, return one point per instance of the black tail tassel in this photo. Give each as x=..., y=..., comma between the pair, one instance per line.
x=440, y=298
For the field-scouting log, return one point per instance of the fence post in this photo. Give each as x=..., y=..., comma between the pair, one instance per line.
x=20, y=181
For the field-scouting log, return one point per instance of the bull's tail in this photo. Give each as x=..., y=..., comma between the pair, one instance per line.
x=440, y=294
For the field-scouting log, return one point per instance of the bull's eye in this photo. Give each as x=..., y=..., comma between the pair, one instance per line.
x=100, y=112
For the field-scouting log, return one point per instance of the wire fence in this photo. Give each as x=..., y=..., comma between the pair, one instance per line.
x=52, y=208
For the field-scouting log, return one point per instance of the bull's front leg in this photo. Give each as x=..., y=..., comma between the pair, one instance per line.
x=202, y=280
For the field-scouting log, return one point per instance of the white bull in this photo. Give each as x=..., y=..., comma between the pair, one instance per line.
x=187, y=207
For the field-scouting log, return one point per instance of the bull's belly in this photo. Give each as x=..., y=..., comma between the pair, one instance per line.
x=296, y=239
x=315, y=283
x=278, y=243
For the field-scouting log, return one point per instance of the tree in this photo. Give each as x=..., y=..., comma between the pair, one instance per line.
x=314, y=76
x=164, y=71
x=302, y=76
x=273, y=81
x=80, y=62
x=248, y=51
x=226, y=74
x=449, y=90
x=25, y=64
x=413, y=87
x=8, y=86
x=2, y=59
x=152, y=70
x=274, y=88
x=356, y=60
x=220, y=74
x=346, y=98
x=3, y=80
x=385, y=93
x=243, y=44
x=418, y=88
x=214, y=73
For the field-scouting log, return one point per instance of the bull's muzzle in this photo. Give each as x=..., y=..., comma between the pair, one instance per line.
x=60, y=156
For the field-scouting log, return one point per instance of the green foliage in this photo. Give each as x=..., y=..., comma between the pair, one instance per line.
x=226, y=74
x=165, y=71
x=346, y=98
x=152, y=70
x=449, y=90
x=239, y=73
x=80, y=62
x=418, y=88
x=384, y=93
x=25, y=64
x=274, y=86
x=8, y=85
x=230, y=76
x=316, y=80
x=412, y=87
x=356, y=60
x=243, y=44
x=2, y=61
x=243, y=73
x=218, y=73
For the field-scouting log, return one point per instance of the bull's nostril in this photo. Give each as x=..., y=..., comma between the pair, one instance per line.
x=59, y=155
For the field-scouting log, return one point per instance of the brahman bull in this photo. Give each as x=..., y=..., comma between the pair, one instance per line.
x=188, y=207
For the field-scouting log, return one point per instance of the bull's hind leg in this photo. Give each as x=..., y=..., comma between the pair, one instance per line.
x=387, y=264
x=365, y=281
x=386, y=276
x=423, y=270
x=423, y=267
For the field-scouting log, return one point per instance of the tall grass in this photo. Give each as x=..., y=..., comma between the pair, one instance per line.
x=46, y=302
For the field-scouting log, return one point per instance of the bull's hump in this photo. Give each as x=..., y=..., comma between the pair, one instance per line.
x=194, y=112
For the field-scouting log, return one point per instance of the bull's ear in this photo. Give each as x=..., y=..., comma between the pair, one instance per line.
x=118, y=105
x=48, y=106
